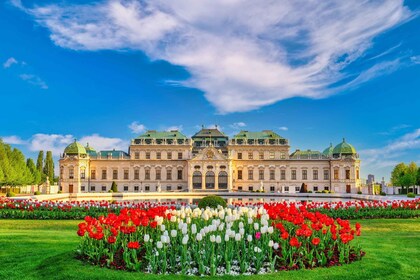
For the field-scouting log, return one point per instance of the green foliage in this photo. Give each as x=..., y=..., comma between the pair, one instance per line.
x=410, y=194
x=383, y=193
x=10, y=194
x=359, y=192
x=114, y=187
x=405, y=175
x=37, y=193
x=211, y=201
x=49, y=167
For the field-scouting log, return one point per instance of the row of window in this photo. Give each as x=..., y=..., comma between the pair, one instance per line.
x=294, y=174
x=284, y=189
x=261, y=155
x=126, y=188
x=158, y=155
x=104, y=174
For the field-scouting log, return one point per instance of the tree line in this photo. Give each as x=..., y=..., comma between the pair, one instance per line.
x=405, y=176
x=15, y=170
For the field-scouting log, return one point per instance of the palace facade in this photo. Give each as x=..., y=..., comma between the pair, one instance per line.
x=168, y=161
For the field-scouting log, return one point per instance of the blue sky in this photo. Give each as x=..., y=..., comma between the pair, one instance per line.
x=105, y=71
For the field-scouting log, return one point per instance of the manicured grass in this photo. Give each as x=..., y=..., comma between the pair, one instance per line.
x=44, y=250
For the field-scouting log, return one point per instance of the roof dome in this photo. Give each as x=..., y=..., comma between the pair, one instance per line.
x=328, y=151
x=75, y=148
x=344, y=148
x=89, y=148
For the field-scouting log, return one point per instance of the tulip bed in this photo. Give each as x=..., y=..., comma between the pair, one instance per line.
x=239, y=240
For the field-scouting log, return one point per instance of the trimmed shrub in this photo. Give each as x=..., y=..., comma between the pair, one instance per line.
x=37, y=193
x=383, y=193
x=359, y=192
x=10, y=194
x=114, y=187
x=211, y=201
x=60, y=192
x=410, y=194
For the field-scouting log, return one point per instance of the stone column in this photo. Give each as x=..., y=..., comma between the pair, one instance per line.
x=216, y=179
x=203, y=180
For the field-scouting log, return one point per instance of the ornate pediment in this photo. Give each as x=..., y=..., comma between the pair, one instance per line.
x=209, y=153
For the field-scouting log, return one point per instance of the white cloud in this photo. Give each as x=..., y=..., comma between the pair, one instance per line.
x=174, y=127
x=136, y=127
x=241, y=54
x=415, y=59
x=238, y=125
x=9, y=62
x=390, y=154
x=14, y=140
x=100, y=143
x=284, y=128
x=50, y=142
x=34, y=80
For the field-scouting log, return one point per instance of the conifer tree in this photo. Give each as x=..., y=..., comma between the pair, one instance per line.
x=36, y=176
x=49, y=167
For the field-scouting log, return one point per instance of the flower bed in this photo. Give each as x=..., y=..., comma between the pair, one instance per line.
x=243, y=240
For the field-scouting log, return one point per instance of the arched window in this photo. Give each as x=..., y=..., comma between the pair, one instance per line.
x=223, y=179
x=197, y=180
x=210, y=180
x=71, y=172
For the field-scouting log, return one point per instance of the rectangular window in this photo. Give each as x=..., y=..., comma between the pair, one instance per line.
x=147, y=188
x=168, y=188
x=315, y=174
x=104, y=188
x=168, y=174
x=136, y=188
x=326, y=188
x=272, y=189
x=297, y=189
x=326, y=174
x=136, y=155
x=179, y=187
x=125, y=174
x=250, y=174
x=179, y=174
x=71, y=173
x=282, y=174
x=239, y=174
x=158, y=155
x=126, y=188
x=114, y=174
x=272, y=174
x=92, y=188
x=335, y=174
x=82, y=173
x=103, y=174
x=93, y=174
x=304, y=174
x=147, y=174
x=261, y=155
x=158, y=177
x=286, y=189
x=82, y=188
x=315, y=188
x=357, y=174
x=136, y=174
x=347, y=174
x=179, y=155
x=147, y=155
x=261, y=174
x=250, y=155
x=239, y=188
x=293, y=174
x=169, y=155
x=239, y=155
x=251, y=188
x=282, y=155
x=271, y=155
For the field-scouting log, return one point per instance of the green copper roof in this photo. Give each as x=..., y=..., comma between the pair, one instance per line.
x=308, y=154
x=328, y=151
x=89, y=148
x=153, y=134
x=209, y=132
x=344, y=148
x=265, y=134
x=75, y=148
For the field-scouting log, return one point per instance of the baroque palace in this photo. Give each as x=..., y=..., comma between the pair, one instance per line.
x=165, y=161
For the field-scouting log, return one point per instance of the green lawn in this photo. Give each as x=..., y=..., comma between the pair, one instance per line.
x=44, y=250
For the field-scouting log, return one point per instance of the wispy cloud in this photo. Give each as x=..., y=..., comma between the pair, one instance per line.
x=101, y=143
x=174, y=127
x=9, y=62
x=242, y=54
x=391, y=154
x=13, y=139
x=137, y=127
x=415, y=59
x=284, y=128
x=34, y=80
x=238, y=125
x=395, y=129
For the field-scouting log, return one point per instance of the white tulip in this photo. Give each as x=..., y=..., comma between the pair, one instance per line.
x=271, y=243
x=199, y=237
x=237, y=237
x=146, y=238
x=159, y=245
x=185, y=240
x=226, y=237
x=188, y=221
x=275, y=246
x=250, y=221
x=174, y=233
x=241, y=224
x=218, y=239
x=162, y=227
x=256, y=226
x=257, y=250
x=270, y=230
x=249, y=238
x=193, y=229
x=264, y=229
x=212, y=238
x=173, y=219
x=241, y=231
